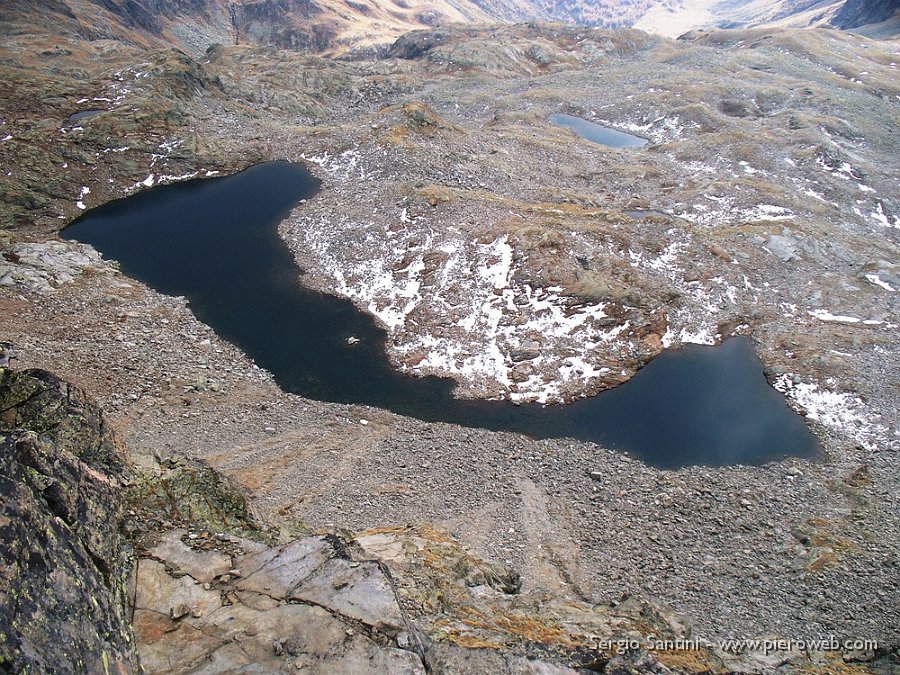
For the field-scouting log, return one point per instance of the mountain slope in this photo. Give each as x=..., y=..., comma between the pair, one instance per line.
x=873, y=18
x=796, y=13
x=674, y=17
x=363, y=28
x=328, y=27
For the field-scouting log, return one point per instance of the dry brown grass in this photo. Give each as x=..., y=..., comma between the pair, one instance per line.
x=426, y=532
x=438, y=194
x=471, y=642
x=399, y=136
x=393, y=529
x=517, y=625
x=689, y=660
x=834, y=666
x=829, y=546
x=594, y=287
x=562, y=216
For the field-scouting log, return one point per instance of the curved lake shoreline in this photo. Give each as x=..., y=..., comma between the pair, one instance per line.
x=215, y=241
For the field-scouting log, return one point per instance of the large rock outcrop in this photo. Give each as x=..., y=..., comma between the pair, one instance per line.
x=63, y=565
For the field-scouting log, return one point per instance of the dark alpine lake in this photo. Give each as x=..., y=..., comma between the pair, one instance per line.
x=597, y=133
x=215, y=241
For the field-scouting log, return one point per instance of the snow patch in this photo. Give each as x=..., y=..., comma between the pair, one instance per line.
x=842, y=412
x=767, y=212
x=85, y=191
x=666, y=260
x=875, y=279
x=165, y=178
x=825, y=315
x=702, y=336
x=147, y=182
x=661, y=129
x=452, y=307
x=724, y=211
x=880, y=217
x=344, y=166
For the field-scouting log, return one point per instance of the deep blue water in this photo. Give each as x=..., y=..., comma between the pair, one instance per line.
x=597, y=133
x=215, y=241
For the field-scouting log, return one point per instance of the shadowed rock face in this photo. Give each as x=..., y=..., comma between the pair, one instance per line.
x=856, y=13
x=62, y=564
x=148, y=14
x=59, y=413
x=274, y=22
x=416, y=44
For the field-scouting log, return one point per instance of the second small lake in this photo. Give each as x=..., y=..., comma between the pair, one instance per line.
x=597, y=133
x=82, y=115
x=216, y=242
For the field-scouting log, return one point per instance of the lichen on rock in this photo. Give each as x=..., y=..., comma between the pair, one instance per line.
x=179, y=491
x=63, y=563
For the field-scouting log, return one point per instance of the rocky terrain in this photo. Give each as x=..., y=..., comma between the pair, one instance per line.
x=189, y=579
x=530, y=265
x=161, y=560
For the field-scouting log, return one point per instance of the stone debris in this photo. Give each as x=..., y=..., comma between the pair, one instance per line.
x=45, y=266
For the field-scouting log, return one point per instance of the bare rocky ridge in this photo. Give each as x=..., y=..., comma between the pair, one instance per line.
x=772, y=168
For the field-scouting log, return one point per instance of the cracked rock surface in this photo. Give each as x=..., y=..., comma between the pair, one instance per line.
x=297, y=606
x=391, y=601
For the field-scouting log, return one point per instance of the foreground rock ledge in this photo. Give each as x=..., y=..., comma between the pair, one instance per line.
x=63, y=563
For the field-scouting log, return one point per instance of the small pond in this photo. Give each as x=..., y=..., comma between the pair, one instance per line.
x=216, y=242
x=83, y=115
x=597, y=133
